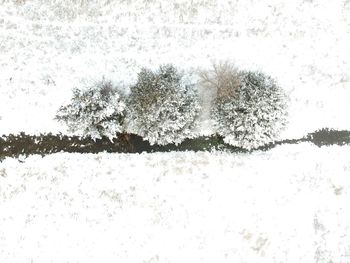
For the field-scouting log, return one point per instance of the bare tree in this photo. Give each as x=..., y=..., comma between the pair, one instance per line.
x=222, y=79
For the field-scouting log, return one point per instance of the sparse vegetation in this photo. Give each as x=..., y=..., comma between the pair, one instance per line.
x=223, y=79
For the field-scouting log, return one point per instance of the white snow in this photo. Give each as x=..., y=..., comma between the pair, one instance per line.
x=49, y=47
x=290, y=204
x=286, y=205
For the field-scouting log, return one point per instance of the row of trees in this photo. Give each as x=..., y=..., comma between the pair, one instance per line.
x=248, y=110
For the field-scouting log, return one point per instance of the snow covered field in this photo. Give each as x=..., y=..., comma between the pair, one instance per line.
x=285, y=205
x=290, y=204
x=47, y=47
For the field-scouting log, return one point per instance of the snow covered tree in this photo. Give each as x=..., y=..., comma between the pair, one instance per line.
x=95, y=111
x=253, y=114
x=161, y=107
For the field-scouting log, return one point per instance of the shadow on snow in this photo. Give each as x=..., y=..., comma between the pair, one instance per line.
x=23, y=144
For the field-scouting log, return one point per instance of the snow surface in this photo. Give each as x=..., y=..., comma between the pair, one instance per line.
x=48, y=47
x=290, y=204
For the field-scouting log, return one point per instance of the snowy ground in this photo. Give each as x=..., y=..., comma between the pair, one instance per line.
x=290, y=204
x=47, y=47
x=286, y=205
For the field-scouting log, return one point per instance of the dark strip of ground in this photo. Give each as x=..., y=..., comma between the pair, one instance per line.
x=23, y=144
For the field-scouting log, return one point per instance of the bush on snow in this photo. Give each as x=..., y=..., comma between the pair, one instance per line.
x=95, y=111
x=161, y=107
x=250, y=108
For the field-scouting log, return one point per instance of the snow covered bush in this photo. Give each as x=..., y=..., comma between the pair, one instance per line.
x=250, y=110
x=162, y=108
x=95, y=111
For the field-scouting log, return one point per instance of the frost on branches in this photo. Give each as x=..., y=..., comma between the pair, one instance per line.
x=254, y=114
x=161, y=107
x=95, y=111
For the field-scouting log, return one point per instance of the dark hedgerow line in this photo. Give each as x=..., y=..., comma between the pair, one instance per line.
x=23, y=144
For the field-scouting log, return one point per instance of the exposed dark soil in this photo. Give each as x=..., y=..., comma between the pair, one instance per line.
x=23, y=144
